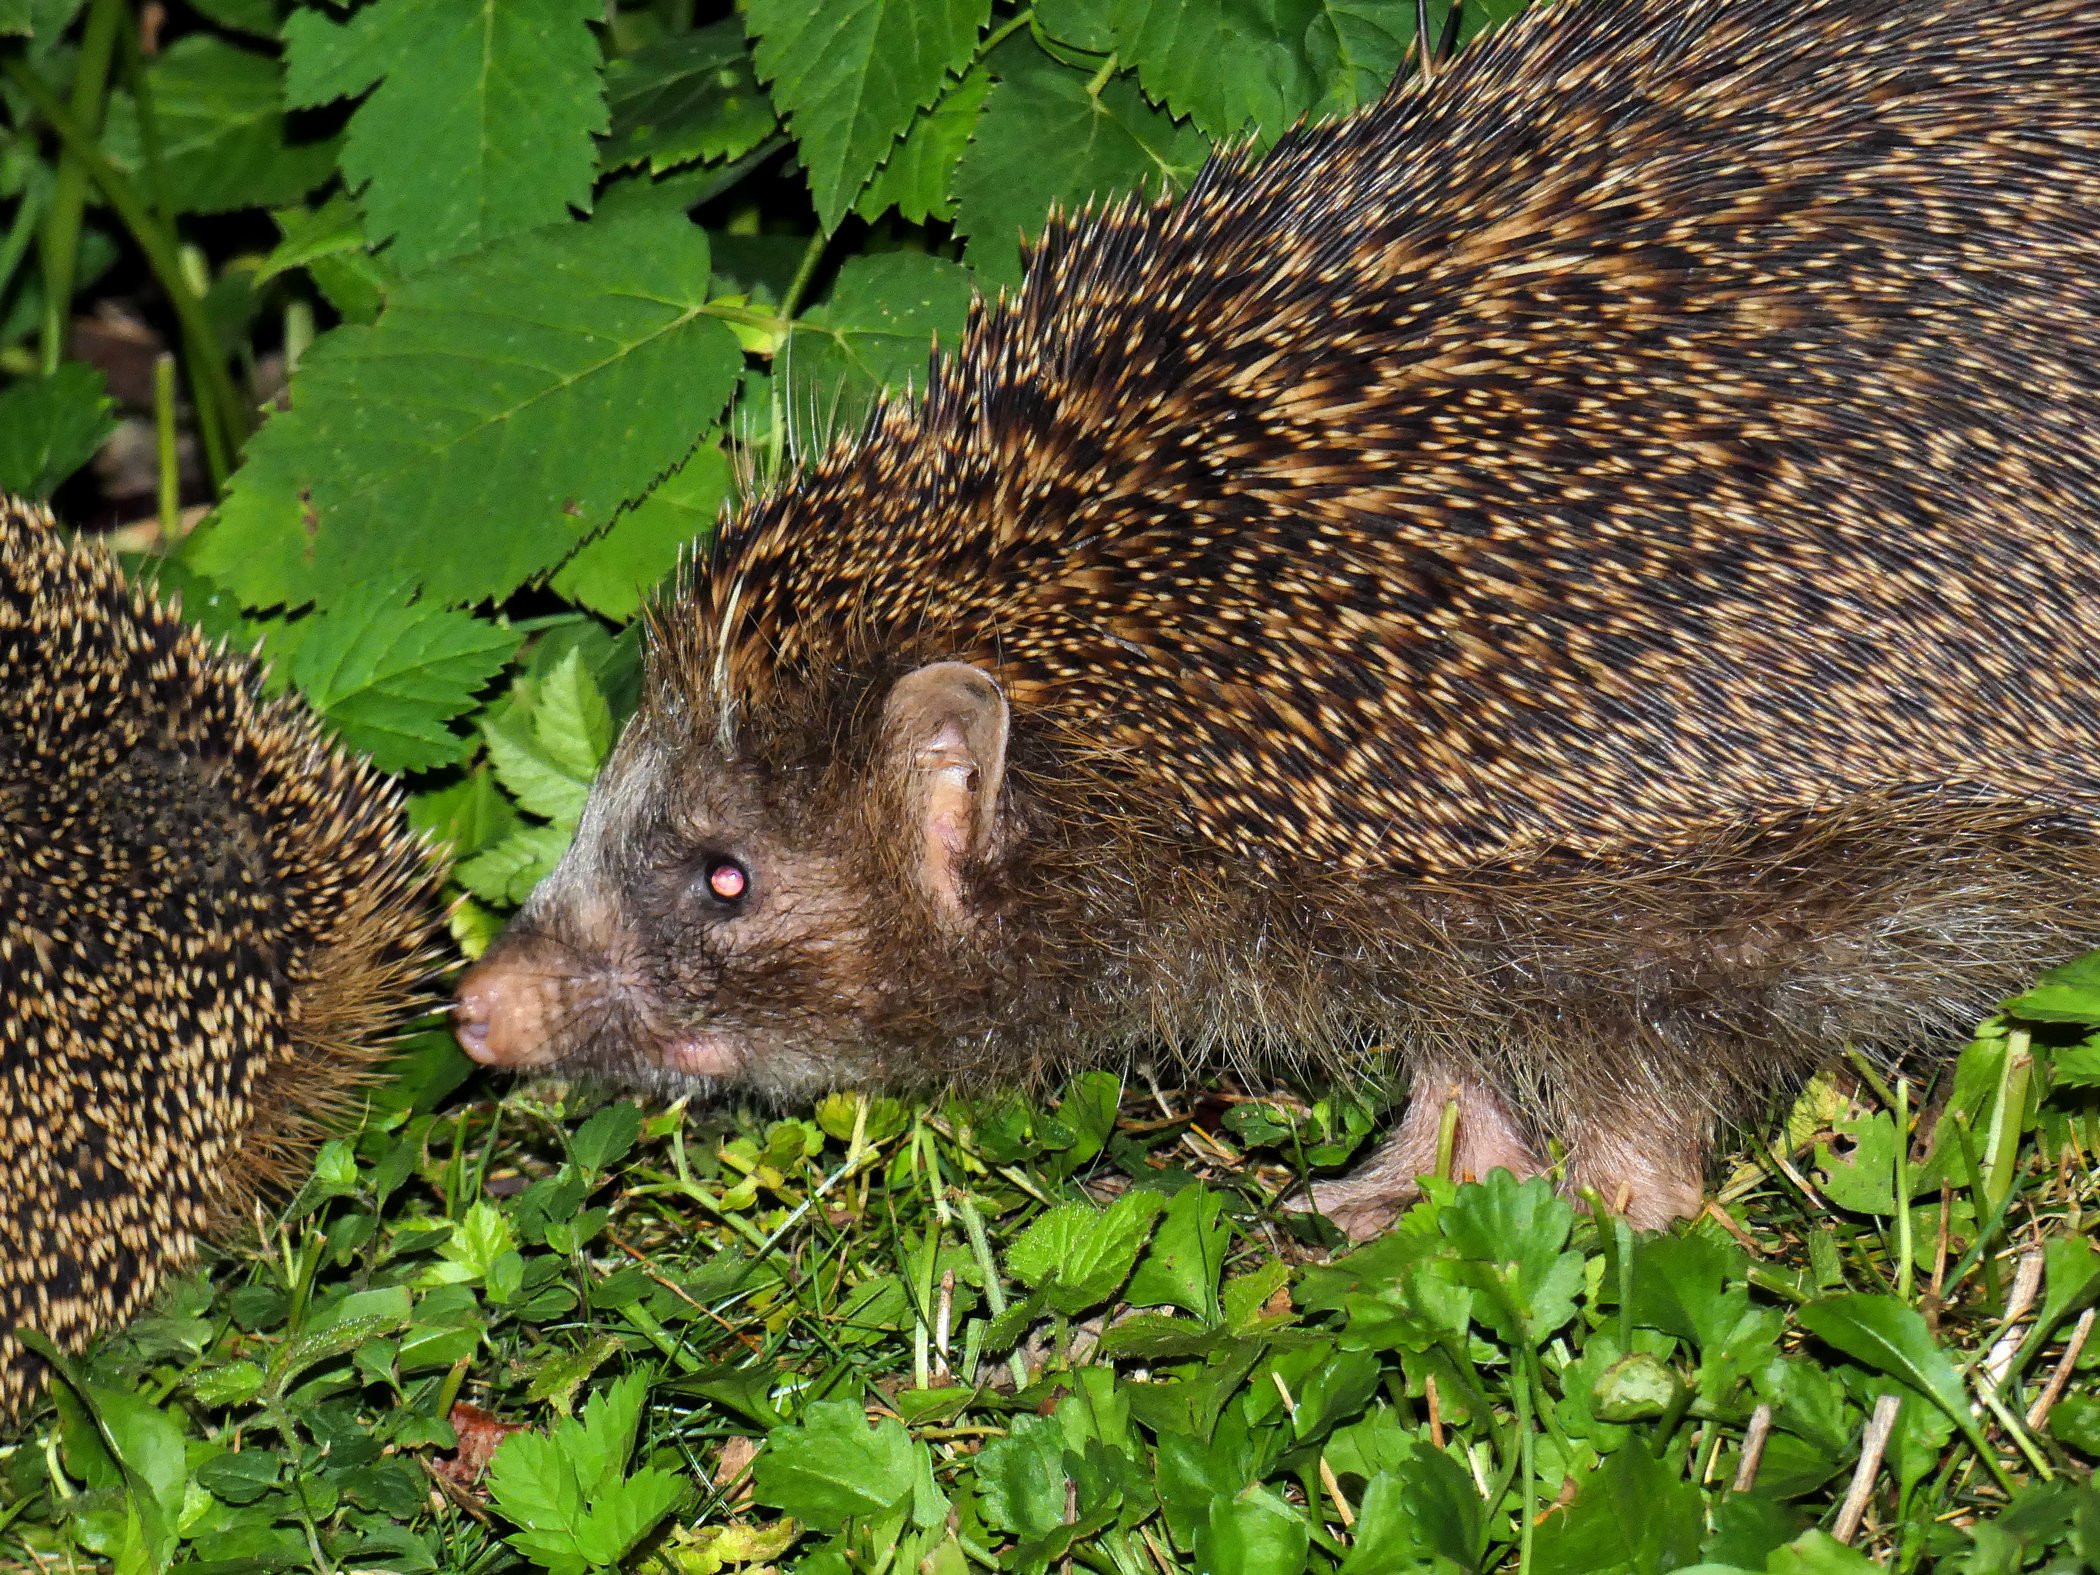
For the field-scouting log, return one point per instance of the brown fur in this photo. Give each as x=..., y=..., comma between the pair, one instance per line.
x=1576, y=577
x=212, y=922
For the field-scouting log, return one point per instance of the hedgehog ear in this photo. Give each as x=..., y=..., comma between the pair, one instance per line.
x=946, y=726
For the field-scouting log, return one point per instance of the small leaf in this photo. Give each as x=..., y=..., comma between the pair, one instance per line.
x=607, y=1136
x=219, y=113
x=1252, y=1533
x=918, y=178
x=1079, y=1255
x=571, y=722
x=50, y=427
x=835, y=1465
x=507, y=872
x=875, y=332
x=1890, y=1337
x=390, y=673
x=613, y=573
x=1186, y=1260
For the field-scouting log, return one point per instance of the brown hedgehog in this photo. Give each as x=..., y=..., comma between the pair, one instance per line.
x=1579, y=576
x=212, y=918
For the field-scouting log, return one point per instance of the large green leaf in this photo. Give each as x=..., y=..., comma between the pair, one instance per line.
x=502, y=96
x=917, y=178
x=849, y=73
x=1045, y=138
x=501, y=409
x=690, y=96
x=873, y=333
x=219, y=113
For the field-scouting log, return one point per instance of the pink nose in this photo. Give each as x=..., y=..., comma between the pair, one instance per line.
x=499, y=1014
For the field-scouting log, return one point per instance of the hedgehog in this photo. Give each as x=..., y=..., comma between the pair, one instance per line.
x=1563, y=594
x=214, y=920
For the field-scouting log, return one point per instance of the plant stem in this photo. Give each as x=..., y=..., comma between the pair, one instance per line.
x=167, y=464
x=218, y=406
x=61, y=249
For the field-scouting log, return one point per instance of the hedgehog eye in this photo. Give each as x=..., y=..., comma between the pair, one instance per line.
x=727, y=881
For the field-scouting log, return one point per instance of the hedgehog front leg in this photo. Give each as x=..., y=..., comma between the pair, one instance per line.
x=1368, y=1199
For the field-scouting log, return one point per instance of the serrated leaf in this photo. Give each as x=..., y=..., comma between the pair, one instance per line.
x=540, y=784
x=615, y=572
x=501, y=408
x=1227, y=67
x=1356, y=47
x=1255, y=1532
x=219, y=112
x=571, y=722
x=390, y=673
x=690, y=96
x=1044, y=139
x=915, y=179
x=507, y=872
x=1079, y=1255
x=624, y=1513
x=50, y=427
x=848, y=74
x=835, y=1465
x=503, y=96
x=873, y=333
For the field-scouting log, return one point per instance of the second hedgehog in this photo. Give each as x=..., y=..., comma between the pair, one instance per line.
x=1578, y=576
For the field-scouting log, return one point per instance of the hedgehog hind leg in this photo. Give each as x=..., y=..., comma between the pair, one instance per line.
x=1487, y=1136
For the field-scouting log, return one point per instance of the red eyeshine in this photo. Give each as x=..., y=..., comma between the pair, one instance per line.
x=727, y=881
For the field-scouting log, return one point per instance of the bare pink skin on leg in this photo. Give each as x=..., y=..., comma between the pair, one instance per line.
x=1653, y=1177
x=1368, y=1199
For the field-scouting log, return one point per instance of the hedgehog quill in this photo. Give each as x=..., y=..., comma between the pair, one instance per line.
x=213, y=921
x=1577, y=578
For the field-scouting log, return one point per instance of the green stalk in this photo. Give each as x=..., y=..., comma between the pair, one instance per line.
x=2001, y=1151
x=1905, y=1247
x=167, y=466
x=61, y=249
x=219, y=410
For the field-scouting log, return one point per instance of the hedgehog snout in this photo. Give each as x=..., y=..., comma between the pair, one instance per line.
x=508, y=1008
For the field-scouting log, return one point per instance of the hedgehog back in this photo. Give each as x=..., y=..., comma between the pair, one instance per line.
x=1679, y=415
x=211, y=919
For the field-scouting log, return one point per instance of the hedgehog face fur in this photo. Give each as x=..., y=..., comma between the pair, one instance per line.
x=212, y=920
x=697, y=932
x=1575, y=579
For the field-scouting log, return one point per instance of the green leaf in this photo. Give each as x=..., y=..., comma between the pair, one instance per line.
x=1079, y=1255
x=614, y=573
x=917, y=178
x=1227, y=67
x=874, y=333
x=835, y=1465
x=690, y=96
x=848, y=74
x=1044, y=139
x=1253, y=1533
x=262, y=18
x=503, y=96
x=1186, y=1260
x=1021, y=1478
x=507, y=872
x=1511, y=1234
x=219, y=112
x=502, y=408
x=15, y=18
x=50, y=427
x=1890, y=1337
x=1355, y=48
x=571, y=722
x=541, y=784
x=2070, y=994
x=607, y=1136
x=389, y=673
x=1633, y=1513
